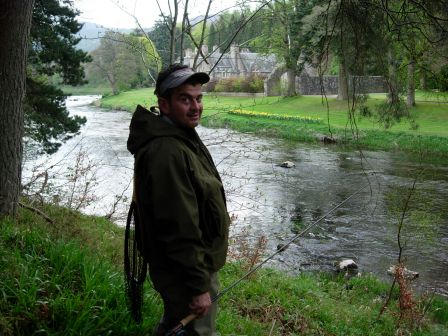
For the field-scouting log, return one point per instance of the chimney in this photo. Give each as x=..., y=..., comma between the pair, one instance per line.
x=234, y=53
x=188, y=53
x=235, y=56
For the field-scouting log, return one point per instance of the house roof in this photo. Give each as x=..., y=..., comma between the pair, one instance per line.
x=250, y=61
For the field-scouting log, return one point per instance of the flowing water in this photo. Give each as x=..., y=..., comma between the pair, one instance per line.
x=269, y=201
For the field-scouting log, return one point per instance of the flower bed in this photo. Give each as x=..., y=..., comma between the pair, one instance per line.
x=246, y=113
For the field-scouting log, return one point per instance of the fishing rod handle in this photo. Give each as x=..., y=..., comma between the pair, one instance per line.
x=188, y=319
x=181, y=325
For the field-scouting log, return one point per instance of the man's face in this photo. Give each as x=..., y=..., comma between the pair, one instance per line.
x=184, y=107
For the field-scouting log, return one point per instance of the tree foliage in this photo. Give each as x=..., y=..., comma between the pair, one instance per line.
x=418, y=30
x=124, y=61
x=47, y=117
x=160, y=36
x=171, y=38
x=282, y=34
x=52, y=52
x=224, y=27
x=395, y=39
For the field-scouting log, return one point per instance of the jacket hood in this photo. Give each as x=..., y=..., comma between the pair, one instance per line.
x=149, y=124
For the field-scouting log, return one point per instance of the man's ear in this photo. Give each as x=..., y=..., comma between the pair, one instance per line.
x=164, y=105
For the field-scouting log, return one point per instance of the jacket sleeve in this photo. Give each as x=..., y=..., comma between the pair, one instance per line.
x=175, y=214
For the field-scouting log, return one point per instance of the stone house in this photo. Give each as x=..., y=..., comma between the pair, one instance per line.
x=238, y=62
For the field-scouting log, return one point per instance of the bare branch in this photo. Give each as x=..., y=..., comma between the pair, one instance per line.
x=39, y=212
x=202, y=35
x=182, y=34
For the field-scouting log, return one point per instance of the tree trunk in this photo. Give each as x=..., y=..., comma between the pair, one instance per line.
x=410, y=101
x=201, y=41
x=393, y=95
x=113, y=83
x=342, y=82
x=423, y=80
x=15, y=24
x=291, y=91
x=182, y=33
x=173, y=24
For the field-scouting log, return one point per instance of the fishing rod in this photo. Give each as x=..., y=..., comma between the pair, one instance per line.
x=178, y=329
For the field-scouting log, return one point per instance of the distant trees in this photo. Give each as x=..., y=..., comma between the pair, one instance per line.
x=181, y=35
x=419, y=31
x=124, y=61
x=15, y=24
x=347, y=35
x=176, y=30
x=160, y=36
x=282, y=35
x=223, y=28
x=391, y=38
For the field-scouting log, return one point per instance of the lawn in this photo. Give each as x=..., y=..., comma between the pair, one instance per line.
x=128, y=100
x=432, y=117
x=431, y=112
x=336, y=120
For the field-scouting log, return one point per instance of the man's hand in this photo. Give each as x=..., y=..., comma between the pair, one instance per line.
x=201, y=304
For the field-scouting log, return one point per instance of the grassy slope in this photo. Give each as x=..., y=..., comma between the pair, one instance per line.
x=66, y=279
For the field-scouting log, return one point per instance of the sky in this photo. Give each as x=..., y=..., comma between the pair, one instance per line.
x=118, y=13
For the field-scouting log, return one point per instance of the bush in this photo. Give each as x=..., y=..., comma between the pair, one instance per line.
x=252, y=84
x=257, y=83
x=210, y=86
x=225, y=85
x=237, y=85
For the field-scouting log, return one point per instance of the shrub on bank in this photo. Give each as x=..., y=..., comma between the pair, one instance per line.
x=251, y=84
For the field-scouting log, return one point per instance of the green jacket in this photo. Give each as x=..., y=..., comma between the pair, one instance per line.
x=180, y=201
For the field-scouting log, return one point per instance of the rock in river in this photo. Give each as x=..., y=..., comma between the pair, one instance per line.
x=287, y=164
x=349, y=266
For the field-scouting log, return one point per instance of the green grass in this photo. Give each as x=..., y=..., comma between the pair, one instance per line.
x=86, y=90
x=431, y=115
x=129, y=100
x=433, y=96
x=66, y=278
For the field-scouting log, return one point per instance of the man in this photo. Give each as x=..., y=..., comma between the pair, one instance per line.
x=180, y=201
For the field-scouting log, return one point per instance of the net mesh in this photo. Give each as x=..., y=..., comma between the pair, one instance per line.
x=134, y=265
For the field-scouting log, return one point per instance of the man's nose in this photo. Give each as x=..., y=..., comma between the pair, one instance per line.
x=195, y=105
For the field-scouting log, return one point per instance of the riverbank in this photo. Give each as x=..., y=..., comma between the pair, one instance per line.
x=66, y=278
x=311, y=119
x=86, y=90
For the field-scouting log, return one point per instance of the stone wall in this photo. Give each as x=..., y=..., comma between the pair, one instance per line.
x=313, y=85
x=307, y=85
x=234, y=94
x=272, y=82
x=371, y=84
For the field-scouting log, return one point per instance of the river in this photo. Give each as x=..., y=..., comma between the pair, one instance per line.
x=276, y=203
